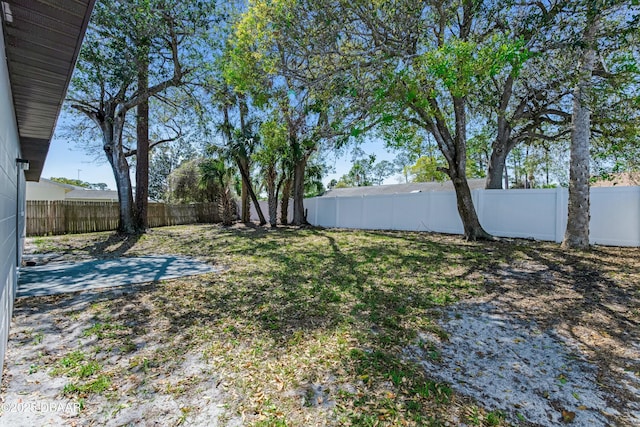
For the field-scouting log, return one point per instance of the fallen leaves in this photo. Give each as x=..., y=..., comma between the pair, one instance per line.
x=568, y=416
x=292, y=303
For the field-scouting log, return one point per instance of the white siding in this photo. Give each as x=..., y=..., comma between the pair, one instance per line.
x=9, y=151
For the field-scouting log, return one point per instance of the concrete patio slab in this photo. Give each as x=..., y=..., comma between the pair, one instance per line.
x=64, y=277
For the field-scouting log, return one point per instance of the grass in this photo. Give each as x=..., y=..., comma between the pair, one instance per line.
x=292, y=309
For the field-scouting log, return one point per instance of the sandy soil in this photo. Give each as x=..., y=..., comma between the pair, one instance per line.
x=552, y=340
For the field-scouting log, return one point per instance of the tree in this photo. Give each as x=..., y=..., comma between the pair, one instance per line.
x=142, y=19
x=290, y=68
x=426, y=169
x=577, y=233
x=99, y=186
x=360, y=174
x=365, y=171
x=217, y=176
x=313, y=185
x=402, y=163
x=533, y=102
x=273, y=152
x=79, y=183
x=239, y=144
x=104, y=86
x=184, y=184
x=430, y=63
x=523, y=101
x=69, y=181
x=602, y=23
x=381, y=171
x=163, y=160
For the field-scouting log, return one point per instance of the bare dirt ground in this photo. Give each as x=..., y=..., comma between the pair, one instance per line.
x=539, y=337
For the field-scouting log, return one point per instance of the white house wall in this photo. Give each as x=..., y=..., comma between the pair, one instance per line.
x=9, y=151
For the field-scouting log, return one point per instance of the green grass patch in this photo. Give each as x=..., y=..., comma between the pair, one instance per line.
x=103, y=330
x=95, y=386
x=292, y=308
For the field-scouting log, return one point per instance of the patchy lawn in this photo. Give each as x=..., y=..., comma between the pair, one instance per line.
x=323, y=327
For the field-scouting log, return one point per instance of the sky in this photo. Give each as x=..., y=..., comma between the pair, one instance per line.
x=69, y=160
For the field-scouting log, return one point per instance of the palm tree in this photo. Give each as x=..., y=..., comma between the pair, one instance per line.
x=214, y=174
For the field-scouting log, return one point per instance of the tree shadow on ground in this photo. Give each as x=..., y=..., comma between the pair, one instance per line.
x=115, y=246
x=590, y=297
x=385, y=288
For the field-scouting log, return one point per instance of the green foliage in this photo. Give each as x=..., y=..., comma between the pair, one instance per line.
x=365, y=172
x=215, y=174
x=163, y=160
x=314, y=173
x=200, y=180
x=426, y=170
x=69, y=181
x=275, y=145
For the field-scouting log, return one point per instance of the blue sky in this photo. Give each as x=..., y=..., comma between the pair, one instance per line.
x=69, y=160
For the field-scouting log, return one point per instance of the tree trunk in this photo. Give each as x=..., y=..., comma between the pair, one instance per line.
x=142, y=153
x=284, y=203
x=495, y=171
x=272, y=196
x=112, y=134
x=497, y=164
x=472, y=228
x=243, y=160
x=577, y=233
x=247, y=180
x=245, y=214
x=502, y=145
x=298, y=191
x=457, y=161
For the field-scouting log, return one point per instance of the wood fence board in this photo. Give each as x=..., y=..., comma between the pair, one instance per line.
x=65, y=217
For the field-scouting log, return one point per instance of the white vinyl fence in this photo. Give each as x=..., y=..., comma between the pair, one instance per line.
x=537, y=214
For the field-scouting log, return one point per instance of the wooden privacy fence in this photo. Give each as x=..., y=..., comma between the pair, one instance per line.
x=64, y=217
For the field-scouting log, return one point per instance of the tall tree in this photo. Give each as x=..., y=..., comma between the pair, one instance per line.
x=273, y=152
x=523, y=101
x=382, y=170
x=290, y=67
x=239, y=144
x=104, y=86
x=430, y=63
x=577, y=233
x=607, y=27
x=534, y=102
x=142, y=131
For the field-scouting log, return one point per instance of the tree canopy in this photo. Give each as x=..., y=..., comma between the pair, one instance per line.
x=459, y=89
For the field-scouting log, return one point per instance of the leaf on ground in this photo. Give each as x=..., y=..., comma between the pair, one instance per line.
x=568, y=416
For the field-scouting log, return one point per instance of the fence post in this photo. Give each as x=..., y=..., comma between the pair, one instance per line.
x=479, y=204
x=559, y=214
x=427, y=196
x=393, y=211
x=315, y=211
x=337, y=211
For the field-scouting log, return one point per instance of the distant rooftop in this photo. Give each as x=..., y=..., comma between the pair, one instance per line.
x=84, y=194
x=624, y=179
x=412, y=187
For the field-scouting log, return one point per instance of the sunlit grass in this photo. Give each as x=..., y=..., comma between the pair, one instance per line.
x=302, y=326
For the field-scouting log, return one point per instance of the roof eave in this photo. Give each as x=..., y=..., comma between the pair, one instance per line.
x=43, y=41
